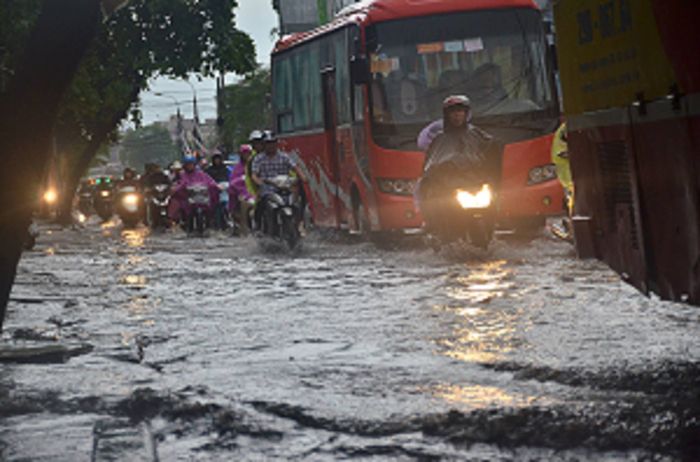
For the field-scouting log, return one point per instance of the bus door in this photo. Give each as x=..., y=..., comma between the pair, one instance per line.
x=330, y=121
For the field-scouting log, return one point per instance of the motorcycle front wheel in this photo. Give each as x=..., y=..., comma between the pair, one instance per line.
x=289, y=232
x=480, y=233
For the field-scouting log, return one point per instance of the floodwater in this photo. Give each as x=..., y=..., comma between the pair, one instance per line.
x=218, y=349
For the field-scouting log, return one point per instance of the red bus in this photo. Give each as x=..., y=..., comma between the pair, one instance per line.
x=351, y=97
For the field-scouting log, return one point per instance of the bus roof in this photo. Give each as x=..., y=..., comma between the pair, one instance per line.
x=369, y=11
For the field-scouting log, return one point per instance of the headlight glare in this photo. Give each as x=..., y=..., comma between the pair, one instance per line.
x=479, y=200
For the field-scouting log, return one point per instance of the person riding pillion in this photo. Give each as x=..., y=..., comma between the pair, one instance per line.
x=257, y=142
x=461, y=149
x=269, y=165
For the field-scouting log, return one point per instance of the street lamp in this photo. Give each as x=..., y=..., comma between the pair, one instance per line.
x=177, y=103
x=194, y=101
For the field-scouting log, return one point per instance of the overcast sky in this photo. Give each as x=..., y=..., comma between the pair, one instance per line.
x=257, y=18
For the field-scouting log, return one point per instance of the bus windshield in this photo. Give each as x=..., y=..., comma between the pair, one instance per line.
x=496, y=57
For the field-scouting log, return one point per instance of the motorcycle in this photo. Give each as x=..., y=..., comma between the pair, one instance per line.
x=283, y=211
x=128, y=199
x=103, y=198
x=198, y=199
x=157, y=202
x=462, y=208
x=85, y=195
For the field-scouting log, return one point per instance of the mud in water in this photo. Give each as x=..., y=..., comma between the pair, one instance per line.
x=224, y=349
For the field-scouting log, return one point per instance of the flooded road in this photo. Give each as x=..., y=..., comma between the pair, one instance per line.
x=215, y=349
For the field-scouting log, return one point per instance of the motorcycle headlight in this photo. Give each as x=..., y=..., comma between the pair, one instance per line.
x=50, y=196
x=542, y=174
x=397, y=187
x=131, y=199
x=479, y=200
x=104, y=193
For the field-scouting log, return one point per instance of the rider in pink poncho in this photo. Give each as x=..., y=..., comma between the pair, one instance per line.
x=237, y=188
x=190, y=177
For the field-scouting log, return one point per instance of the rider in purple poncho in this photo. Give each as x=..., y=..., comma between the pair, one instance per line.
x=190, y=177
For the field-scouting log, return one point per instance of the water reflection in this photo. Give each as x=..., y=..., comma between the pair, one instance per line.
x=134, y=280
x=134, y=238
x=470, y=397
x=483, y=332
x=482, y=284
x=108, y=224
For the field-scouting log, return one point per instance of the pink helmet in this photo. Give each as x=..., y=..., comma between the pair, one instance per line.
x=245, y=149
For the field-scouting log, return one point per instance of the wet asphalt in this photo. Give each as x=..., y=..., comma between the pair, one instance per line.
x=180, y=349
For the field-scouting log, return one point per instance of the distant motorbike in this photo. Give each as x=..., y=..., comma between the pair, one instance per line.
x=85, y=196
x=128, y=200
x=103, y=198
x=463, y=208
x=283, y=215
x=198, y=200
x=157, y=202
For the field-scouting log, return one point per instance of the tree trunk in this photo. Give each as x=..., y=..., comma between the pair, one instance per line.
x=64, y=30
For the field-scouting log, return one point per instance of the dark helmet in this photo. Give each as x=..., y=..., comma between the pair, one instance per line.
x=456, y=101
x=270, y=136
x=130, y=172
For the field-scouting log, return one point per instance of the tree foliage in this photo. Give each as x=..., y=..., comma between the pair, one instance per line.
x=148, y=144
x=143, y=40
x=245, y=107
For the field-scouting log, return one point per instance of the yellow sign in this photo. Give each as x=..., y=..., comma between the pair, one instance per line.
x=609, y=53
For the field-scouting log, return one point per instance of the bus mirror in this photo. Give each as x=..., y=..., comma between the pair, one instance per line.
x=359, y=70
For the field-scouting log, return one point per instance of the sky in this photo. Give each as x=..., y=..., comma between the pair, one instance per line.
x=255, y=17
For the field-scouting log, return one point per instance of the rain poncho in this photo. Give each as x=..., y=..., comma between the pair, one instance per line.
x=191, y=179
x=237, y=187
x=467, y=153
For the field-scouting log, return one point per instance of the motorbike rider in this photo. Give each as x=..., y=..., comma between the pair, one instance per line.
x=219, y=173
x=191, y=176
x=257, y=142
x=175, y=171
x=268, y=165
x=461, y=149
x=239, y=195
x=156, y=176
x=128, y=179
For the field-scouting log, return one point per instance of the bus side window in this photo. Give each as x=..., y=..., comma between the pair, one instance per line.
x=282, y=90
x=358, y=93
x=358, y=103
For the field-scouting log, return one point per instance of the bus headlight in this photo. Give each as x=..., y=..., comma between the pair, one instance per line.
x=542, y=174
x=397, y=187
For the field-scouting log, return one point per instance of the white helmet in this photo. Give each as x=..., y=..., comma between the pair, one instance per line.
x=256, y=135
